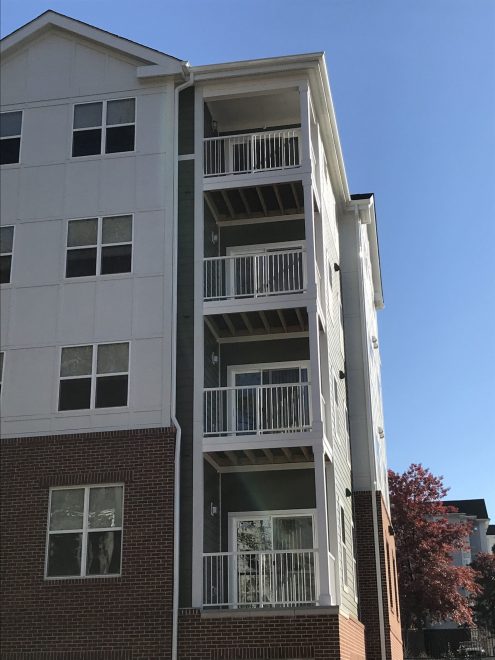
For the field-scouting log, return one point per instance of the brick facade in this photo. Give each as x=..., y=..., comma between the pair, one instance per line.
x=367, y=578
x=100, y=618
x=281, y=635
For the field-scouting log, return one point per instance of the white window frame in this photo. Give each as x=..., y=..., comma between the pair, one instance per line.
x=17, y=135
x=258, y=250
x=99, y=245
x=84, y=532
x=103, y=127
x=9, y=254
x=235, y=516
x=233, y=370
x=343, y=545
x=2, y=368
x=330, y=287
x=93, y=375
x=335, y=400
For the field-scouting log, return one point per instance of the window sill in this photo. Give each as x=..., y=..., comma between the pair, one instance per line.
x=10, y=166
x=90, y=157
x=6, y=285
x=92, y=411
x=72, y=580
x=98, y=278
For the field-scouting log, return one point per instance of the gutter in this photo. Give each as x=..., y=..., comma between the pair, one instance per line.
x=189, y=76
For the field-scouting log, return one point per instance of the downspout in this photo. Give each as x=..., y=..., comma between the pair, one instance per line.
x=369, y=415
x=175, y=602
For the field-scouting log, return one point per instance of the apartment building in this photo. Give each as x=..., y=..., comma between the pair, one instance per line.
x=193, y=455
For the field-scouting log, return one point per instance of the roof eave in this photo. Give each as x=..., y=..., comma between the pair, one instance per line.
x=51, y=19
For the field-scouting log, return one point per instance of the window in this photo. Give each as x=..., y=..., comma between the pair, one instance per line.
x=103, y=127
x=345, y=570
x=10, y=137
x=94, y=376
x=84, y=531
x=1, y=371
x=6, y=248
x=99, y=246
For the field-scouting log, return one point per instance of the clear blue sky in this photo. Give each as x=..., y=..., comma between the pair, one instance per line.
x=413, y=83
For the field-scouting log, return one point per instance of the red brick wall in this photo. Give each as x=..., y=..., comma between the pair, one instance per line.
x=367, y=578
x=276, y=636
x=101, y=618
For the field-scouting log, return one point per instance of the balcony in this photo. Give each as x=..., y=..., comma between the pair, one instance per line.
x=257, y=409
x=255, y=275
x=259, y=579
x=250, y=153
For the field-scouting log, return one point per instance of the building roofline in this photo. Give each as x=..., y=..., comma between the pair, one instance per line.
x=50, y=18
x=476, y=507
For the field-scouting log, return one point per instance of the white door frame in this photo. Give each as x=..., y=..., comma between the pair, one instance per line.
x=234, y=516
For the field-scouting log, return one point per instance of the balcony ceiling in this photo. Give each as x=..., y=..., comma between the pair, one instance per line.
x=256, y=201
x=249, y=323
x=276, y=456
x=256, y=112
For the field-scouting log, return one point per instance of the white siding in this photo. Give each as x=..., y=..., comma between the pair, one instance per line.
x=41, y=310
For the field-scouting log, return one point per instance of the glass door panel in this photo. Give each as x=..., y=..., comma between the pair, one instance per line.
x=254, y=541
x=246, y=401
x=274, y=560
x=294, y=572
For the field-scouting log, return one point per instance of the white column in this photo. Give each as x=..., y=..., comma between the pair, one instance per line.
x=325, y=597
x=198, y=467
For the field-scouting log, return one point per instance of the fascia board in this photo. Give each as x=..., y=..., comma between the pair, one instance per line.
x=51, y=19
x=312, y=64
x=262, y=65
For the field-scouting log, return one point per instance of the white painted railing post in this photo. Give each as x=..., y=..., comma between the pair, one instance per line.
x=198, y=399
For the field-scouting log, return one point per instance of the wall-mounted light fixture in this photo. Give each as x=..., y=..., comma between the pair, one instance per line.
x=336, y=267
x=381, y=432
x=214, y=126
x=214, y=238
x=213, y=509
x=341, y=374
x=214, y=359
x=391, y=530
x=374, y=341
x=348, y=493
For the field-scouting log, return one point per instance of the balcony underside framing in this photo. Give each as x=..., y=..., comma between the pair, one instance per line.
x=267, y=457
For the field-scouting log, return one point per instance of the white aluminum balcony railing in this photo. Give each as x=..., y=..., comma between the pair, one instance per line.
x=282, y=578
x=257, y=409
x=254, y=275
x=252, y=152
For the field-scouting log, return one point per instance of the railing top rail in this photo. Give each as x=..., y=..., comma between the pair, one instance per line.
x=278, y=132
x=255, y=387
x=258, y=552
x=257, y=254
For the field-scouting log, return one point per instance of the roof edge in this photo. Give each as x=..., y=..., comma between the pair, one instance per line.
x=51, y=18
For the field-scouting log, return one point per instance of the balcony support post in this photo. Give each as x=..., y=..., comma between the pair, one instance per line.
x=325, y=597
x=197, y=459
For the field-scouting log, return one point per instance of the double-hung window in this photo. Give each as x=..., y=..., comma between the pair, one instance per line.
x=94, y=376
x=343, y=541
x=10, y=137
x=1, y=370
x=6, y=249
x=99, y=246
x=104, y=127
x=84, y=531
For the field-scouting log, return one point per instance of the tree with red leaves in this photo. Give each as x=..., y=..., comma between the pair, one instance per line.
x=484, y=602
x=431, y=588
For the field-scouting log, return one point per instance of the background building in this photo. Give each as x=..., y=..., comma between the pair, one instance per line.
x=191, y=370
